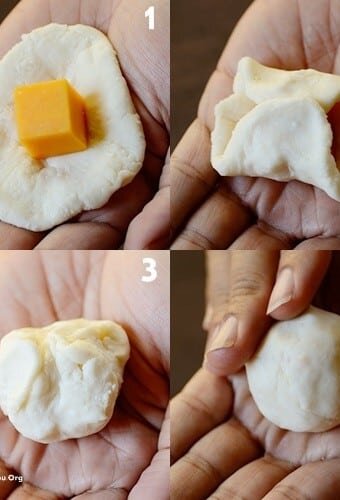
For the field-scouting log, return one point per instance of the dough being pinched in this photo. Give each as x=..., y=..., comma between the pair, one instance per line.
x=39, y=194
x=62, y=381
x=294, y=377
x=275, y=126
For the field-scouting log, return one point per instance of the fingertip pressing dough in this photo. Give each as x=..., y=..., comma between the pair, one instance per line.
x=275, y=125
x=61, y=381
x=294, y=377
x=39, y=194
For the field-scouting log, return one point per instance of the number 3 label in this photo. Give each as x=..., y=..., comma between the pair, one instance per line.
x=150, y=13
x=150, y=267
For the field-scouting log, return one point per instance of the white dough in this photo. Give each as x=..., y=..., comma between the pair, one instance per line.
x=294, y=376
x=276, y=126
x=260, y=83
x=61, y=381
x=36, y=194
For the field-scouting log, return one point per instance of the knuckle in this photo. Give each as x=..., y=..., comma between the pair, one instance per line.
x=195, y=236
x=202, y=466
x=289, y=492
x=246, y=284
x=197, y=406
x=227, y=492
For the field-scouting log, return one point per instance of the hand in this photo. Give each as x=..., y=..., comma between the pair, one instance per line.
x=246, y=455
x=247, y=290
x=139, y=212
x=214, y=456
x=245, y=213
x=129, y=456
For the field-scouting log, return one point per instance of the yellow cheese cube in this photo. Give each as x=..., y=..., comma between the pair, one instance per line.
x=51, y=118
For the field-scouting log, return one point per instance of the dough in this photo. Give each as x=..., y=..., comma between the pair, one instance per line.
x=62, y=381
x=260, y=83
x=36, y=194
x=275, y=126
x=294, y=376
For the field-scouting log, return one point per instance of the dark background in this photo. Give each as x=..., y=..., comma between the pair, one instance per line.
x=6, y=6
x=187, y=310
x=199, y=32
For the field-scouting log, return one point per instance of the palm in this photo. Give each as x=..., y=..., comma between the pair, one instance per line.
x=297, y=210
x=118, y=454
x=295, y=447
x=147, y=78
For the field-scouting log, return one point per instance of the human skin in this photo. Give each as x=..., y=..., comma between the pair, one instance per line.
x=138, y=214
x=209, y=212
x=256, y=287
x=129, y=457
x=219, y=440
x=215, y=457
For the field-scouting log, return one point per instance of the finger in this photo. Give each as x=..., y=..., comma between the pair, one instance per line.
x=201, y=405
x=298, y=278
x=213, y=225
x=20, y=20
x=244, y=302
x=261, y=237
x=192, y=177
x=7, y=481
x=295, y=447
x=29, y=492
x=216, y=286
x=123, y=206
x=154, y=481
x=82, y=236
x=30, y=14
x=253, y=480
x=319, y=480
x=319, y=244
x=212, y=459
x=220, y=86
x=16, y=238
x=111, y=494
x=151, y=228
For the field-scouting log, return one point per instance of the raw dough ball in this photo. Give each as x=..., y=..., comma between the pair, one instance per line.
x=294, y=377
x=62, y=381
x=275, y=126
x=37, y=194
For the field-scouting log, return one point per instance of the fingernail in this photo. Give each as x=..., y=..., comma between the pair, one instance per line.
x=208, y=317
x=283, y=290
x=226, y=335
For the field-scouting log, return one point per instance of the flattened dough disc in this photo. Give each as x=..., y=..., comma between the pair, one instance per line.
x=38, y=195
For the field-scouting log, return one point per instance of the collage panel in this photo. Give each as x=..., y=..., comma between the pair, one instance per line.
x=84, y=374
x=84, y=124
x=169, y=191
x=255, y=375
x=255, y=159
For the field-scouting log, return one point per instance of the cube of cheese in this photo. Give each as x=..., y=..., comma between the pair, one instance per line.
x=51, y=118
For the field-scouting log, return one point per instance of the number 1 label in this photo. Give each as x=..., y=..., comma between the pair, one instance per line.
x=150, y=13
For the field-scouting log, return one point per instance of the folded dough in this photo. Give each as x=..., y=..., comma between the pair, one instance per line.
x=294, y=377
x=260, y=83
x=275, y=126
x=36, y=194
x=62, y=381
